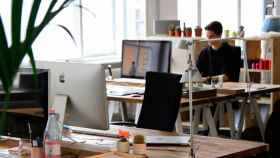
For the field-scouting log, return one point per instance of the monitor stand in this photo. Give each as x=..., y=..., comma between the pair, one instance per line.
x=60, y=103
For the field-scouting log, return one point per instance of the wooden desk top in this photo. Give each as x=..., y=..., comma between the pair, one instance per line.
x=36, y=111
x=228, y=91
x=209, y=147
x=256, y=88
x=132, y=98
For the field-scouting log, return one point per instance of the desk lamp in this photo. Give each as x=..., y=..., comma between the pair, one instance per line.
x=246, y=67
x=191, y=74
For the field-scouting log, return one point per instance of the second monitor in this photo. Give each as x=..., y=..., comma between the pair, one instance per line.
x=140, y=56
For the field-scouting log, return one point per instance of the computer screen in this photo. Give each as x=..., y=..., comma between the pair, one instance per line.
x=28, y=106
x=84, y=85
x=140, y=56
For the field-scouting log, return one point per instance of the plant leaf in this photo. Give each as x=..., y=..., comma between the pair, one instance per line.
x=16, y=21
x=86, y=9
x=3, y=115
x=4, y=75
x=15, y=49
x=31, y=21
x=32, y=62
x=68, y=32
x=66, y=3
x=52, y=4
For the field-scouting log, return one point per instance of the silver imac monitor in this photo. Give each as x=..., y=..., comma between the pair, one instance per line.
x=84, y=85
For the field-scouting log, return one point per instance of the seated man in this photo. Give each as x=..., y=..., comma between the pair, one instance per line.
x=219, y=58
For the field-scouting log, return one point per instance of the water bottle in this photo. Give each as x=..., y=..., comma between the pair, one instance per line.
x=52, y=136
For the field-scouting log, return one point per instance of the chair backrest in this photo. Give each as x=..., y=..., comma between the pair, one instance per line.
x=235, y=63
x=161, y=101
x=272, y=131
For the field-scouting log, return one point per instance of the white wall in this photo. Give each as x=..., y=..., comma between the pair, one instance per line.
x=167, y=9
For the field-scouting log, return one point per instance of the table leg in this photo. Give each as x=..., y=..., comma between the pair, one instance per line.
x=221, y=114
x=111, y=109
x=178, y=124
x=123, y=110
x=210, y=121
x=137, y=112
x=231, y=119
x=197, y=114
x=257, y=113
x=241, y=118
x=216, y=114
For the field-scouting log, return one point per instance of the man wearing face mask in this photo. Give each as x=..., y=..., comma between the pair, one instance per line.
x=219, y=58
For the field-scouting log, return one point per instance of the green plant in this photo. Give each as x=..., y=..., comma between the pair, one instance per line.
x=171, y=27
x=139, y=139
x=11, y=55
x=178, y=28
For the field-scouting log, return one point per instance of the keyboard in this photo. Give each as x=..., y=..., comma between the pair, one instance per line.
x=95, y=132
x=115, y=90
x=4, y=153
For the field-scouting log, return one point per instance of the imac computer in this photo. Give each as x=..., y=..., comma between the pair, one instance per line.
x=84, y=86
x=140, y=56
x=26, y=113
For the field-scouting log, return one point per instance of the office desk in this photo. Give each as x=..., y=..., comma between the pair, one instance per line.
x=256, y=88
x=201, y=105
x=20, y=94
x=249, y=101
x=209, y=147
x=230, y=92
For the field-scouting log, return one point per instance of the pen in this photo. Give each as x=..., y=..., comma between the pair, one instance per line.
x=30, y=133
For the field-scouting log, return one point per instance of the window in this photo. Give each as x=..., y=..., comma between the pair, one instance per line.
x=54, y=43
x=220, y=10
x=227, y=12
x=106, y=23
x=251, y=16
x=98, y=28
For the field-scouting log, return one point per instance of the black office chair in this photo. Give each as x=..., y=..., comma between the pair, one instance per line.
x=161, y=101
x=235, y=64
x=272, y=132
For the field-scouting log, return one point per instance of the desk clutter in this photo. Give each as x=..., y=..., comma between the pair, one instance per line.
x=114, y=90
x=99, y=147
x=117, y=155
x=200, y=91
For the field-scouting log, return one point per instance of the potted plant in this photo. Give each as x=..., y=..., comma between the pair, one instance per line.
x=178, y=31
x=11, y=56
x=188, y=32
x=139, y=145
x=198, y=31
x=171, y=30
x=123, y=143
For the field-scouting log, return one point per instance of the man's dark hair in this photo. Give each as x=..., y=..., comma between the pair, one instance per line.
x=216, y=27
